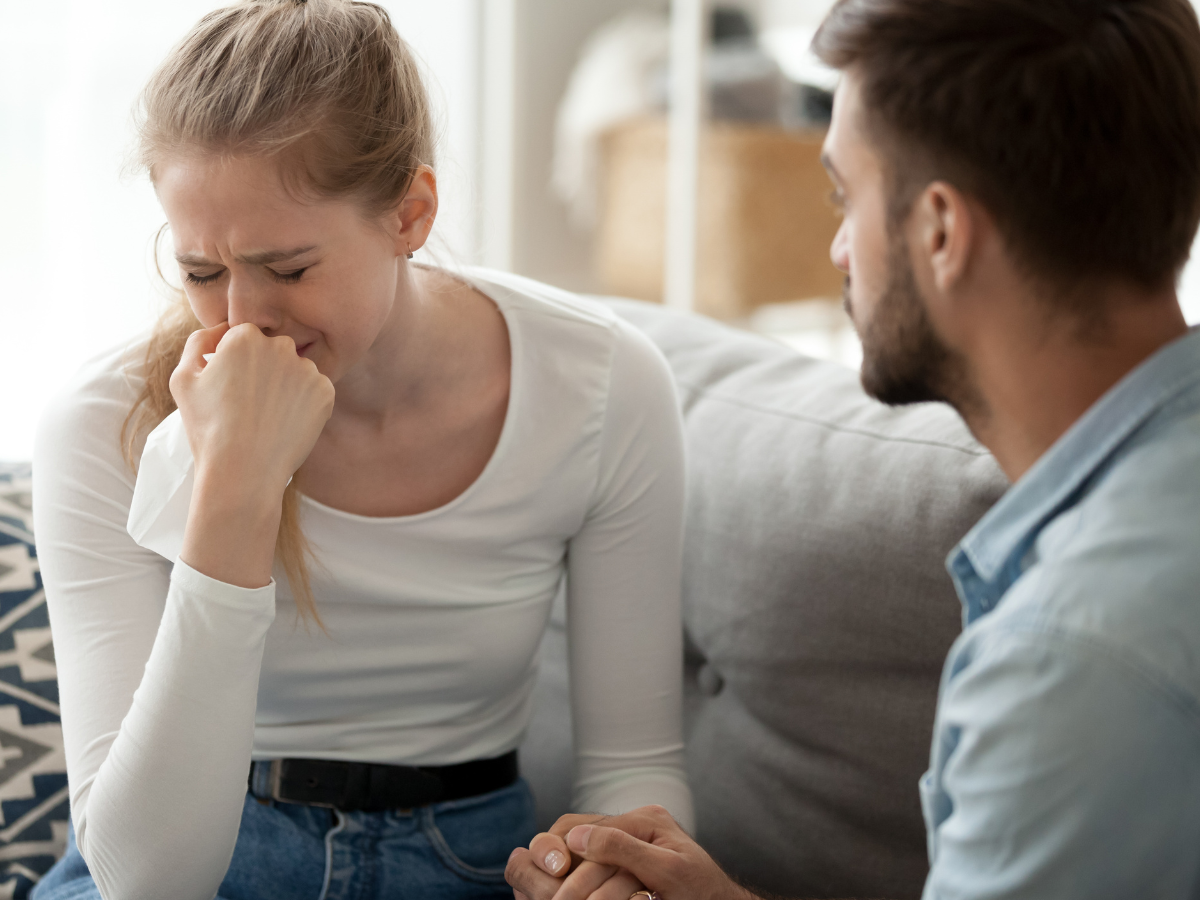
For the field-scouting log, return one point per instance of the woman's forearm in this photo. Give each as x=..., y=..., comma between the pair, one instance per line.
x=158, y=666
x=162, y=813
x=623, y=600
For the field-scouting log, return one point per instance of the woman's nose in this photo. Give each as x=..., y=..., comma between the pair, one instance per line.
x=251, y=302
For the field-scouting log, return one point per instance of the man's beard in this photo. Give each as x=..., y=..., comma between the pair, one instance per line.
x=904, y=360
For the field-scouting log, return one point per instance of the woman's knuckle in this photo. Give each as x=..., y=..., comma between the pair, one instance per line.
x=541, y=839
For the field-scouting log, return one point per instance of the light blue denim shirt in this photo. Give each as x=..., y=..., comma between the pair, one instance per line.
x=1066, y=749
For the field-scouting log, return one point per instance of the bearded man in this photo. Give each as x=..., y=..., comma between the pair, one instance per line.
x=1020, y=182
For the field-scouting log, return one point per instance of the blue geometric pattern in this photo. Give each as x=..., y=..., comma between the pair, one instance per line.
x=33, y=773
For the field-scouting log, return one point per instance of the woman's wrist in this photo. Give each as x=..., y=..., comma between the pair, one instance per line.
x=232, y=529
x=238, y=487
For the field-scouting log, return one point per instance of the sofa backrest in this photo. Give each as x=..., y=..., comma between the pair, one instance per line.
x=817, y=609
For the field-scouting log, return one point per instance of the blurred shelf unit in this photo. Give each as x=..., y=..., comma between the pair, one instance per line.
x=764, y=221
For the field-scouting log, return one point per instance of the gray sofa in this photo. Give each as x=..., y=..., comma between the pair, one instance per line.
x=816, y=608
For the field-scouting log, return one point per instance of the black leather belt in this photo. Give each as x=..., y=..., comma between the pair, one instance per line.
x=374, y=787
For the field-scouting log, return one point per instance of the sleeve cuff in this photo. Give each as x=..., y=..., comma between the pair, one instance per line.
x=257, y=600
x=626, y=790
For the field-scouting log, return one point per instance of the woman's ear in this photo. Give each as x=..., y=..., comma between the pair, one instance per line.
x=415, y=213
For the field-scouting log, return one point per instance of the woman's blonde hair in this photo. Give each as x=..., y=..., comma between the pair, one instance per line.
x=329, y=89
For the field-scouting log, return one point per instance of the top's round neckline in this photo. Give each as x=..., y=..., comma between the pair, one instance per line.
x=506, y=430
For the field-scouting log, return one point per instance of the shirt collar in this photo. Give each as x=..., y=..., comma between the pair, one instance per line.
x=989, y=559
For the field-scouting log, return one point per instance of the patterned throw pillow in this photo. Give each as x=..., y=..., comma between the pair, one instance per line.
x=33, y=772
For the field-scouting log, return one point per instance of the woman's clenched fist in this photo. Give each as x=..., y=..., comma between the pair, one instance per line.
x=254, y=410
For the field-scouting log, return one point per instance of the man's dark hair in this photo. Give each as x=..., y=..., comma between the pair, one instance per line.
x=1076, y=123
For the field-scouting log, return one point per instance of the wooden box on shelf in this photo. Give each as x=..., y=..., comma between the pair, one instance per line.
x=765, y=221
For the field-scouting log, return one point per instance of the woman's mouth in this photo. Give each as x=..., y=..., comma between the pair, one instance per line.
x=301, y=350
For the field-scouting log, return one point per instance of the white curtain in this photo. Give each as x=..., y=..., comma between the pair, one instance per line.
x=75, y=230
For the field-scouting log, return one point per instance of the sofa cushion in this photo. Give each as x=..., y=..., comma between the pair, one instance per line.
x=817, y=607
x=815, y=590
x=33, y=777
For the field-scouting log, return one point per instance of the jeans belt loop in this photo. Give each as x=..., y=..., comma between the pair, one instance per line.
x=276, y=773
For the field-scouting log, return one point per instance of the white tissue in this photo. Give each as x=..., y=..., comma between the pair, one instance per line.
x=163, y=492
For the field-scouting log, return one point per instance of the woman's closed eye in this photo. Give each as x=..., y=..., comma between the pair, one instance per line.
x=281, y=277
x=288, y=277
x=201, y=280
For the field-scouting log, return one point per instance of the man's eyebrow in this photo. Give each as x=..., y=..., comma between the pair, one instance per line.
x=254, y=259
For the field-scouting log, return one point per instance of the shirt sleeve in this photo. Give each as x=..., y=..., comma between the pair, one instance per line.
x=624, y=570
x=158, y=670
x=1061, y=770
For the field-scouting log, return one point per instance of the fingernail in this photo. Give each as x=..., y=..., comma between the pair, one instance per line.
x=554, y=861
x=516, y=850
x=578, y=838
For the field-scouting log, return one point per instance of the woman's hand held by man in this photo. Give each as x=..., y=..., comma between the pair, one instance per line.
x=252, y=413
x=583, y=878
x=645, y=847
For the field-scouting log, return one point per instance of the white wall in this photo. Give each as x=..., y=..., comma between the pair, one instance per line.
x=75, y=268
x=446, y=37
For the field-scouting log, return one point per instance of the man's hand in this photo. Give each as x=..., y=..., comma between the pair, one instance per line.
x=647, y=844
x=549, y=849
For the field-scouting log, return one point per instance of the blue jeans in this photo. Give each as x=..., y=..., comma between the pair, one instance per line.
x=449, y=851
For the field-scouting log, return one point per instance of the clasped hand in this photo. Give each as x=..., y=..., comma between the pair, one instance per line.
x=612, y=857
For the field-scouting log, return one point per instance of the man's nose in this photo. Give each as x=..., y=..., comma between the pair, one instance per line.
x=839, y=250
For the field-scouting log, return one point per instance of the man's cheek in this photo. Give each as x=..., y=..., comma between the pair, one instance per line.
x=856, y=303
x=862, y=291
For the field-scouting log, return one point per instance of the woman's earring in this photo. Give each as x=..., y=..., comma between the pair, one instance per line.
x=409, y=250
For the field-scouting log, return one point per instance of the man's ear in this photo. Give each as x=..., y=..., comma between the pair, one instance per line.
x=413, y=217
x=943, y=232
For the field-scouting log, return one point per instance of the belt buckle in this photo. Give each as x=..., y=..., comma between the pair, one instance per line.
x=276, y=791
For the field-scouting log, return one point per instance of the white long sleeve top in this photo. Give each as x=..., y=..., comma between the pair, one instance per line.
x=171, y=681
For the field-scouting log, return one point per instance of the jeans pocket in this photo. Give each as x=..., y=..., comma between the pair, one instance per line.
x=474, y=837
x=464, y=870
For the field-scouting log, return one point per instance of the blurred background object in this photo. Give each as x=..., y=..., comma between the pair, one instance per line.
x=551, y=164
x=761, y=221
x=613, y=82
x=764, y=221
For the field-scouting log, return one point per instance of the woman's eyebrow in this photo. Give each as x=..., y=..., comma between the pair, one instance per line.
x=254, y=259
